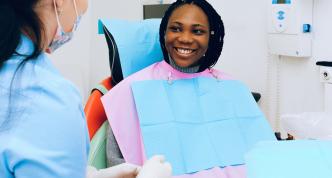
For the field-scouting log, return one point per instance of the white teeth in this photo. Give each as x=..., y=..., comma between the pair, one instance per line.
x=184, y=51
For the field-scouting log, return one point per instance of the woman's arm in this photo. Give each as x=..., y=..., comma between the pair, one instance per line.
x=114, y=156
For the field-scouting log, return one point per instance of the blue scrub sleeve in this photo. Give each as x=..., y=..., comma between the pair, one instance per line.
x=53, y=140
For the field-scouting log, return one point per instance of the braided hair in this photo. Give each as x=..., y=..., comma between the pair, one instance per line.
x=217, y=33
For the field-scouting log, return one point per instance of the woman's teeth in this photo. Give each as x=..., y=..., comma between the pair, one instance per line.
x=184, y=51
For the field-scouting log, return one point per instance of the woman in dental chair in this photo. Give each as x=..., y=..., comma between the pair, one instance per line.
x=201, y=119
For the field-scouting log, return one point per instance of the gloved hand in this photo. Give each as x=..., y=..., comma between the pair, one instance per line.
x=156, y=167
x=124, y=170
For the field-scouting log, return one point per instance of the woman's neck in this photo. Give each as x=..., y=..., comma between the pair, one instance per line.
x=46, y=14
x=193, y=69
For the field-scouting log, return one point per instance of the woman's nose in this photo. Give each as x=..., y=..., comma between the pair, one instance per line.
x=186, y=37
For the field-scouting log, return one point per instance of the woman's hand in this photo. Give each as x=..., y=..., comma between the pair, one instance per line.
x=156, y=167
x=124, y=170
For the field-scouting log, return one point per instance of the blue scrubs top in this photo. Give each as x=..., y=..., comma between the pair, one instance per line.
x=46, y=135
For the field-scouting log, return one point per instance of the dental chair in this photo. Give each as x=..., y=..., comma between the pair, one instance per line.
x=119, y=36
x=96, y=117
x=97, y=124
x=94, y=110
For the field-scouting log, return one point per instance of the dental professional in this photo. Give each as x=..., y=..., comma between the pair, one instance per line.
x=43, y=130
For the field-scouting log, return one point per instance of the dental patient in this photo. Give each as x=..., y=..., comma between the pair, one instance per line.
x=201, y=119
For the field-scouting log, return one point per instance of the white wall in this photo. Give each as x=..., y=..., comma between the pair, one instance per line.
x=300, y=89
x=73, y=59
x=245, y=48
x=245, y=55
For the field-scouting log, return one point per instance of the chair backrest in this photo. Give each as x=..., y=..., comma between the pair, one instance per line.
x=97, y=125
x=133, y=45
x=94, y=110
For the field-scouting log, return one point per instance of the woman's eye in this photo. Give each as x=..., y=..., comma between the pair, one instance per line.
x=175, y=29
x=198, y=31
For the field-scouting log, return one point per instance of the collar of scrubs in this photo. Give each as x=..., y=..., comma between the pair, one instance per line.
x=25, y=46
x=24, y=49
x=199, y=123
x=137, y=42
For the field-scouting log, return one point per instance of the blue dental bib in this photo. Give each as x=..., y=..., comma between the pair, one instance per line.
x=199, y=123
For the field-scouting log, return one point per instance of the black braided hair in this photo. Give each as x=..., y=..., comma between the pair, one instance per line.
x=217, y=33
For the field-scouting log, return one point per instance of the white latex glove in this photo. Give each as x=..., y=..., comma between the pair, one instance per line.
x=124, y=170
x=156, y=167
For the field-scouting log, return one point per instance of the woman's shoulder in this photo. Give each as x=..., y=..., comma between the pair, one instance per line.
x=38, y=90
x=34, y=75
x=221, y=74
x=45, y=79
x=43, y=107
x=123, y=88
x=147, y=73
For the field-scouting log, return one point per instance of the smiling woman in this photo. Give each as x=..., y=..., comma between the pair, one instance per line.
x=201, y=119
x=187, y=35
x=196, y=29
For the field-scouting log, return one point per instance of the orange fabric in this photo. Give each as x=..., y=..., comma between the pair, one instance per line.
x=94, y=110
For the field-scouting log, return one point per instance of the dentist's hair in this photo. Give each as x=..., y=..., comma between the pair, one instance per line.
x=217, y=33
x=18, y=17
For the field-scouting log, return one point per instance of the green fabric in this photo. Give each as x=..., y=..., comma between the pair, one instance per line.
x=101, y=88
x=97, y=154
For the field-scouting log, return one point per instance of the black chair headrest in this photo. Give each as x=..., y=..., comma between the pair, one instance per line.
x=114, y=59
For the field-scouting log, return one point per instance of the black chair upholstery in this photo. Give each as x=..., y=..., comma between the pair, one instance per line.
x=257, y=96
x=114, y=58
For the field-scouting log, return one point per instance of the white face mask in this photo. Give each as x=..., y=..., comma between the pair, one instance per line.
x=61, y=37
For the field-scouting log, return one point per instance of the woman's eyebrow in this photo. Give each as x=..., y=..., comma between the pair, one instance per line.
x=199, y=25
x=194, y=25
x=176, y=22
